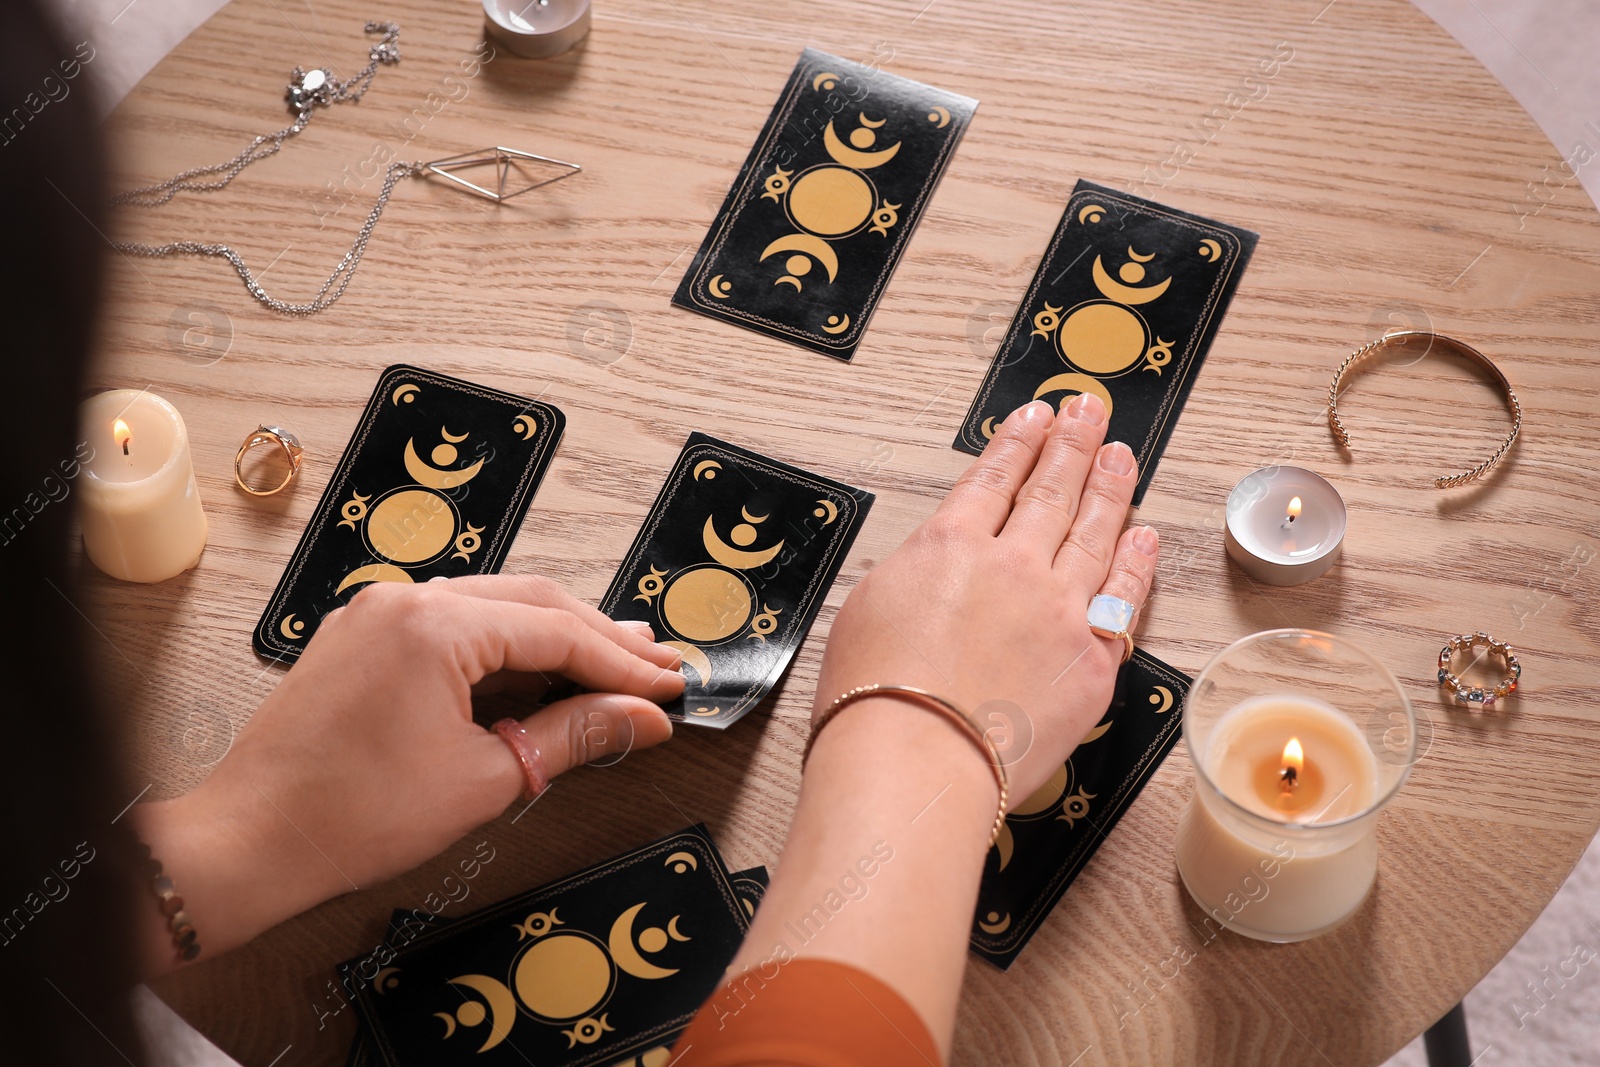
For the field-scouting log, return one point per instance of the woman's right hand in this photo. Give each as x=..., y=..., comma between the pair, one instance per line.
x=985, y=603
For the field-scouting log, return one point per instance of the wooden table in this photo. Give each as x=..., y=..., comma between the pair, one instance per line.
x=1388, y=176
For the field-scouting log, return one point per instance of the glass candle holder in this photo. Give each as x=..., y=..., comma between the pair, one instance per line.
x=1299, y=740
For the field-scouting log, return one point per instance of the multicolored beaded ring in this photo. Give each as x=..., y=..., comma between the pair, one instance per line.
x=1479, y=695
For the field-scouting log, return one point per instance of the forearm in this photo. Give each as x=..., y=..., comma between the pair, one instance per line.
x=883, y=858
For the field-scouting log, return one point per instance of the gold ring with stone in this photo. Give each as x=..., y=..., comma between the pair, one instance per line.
x=287, y=442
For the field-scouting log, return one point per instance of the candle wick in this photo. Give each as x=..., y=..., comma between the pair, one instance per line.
x=125, y=448
x=1288, y=778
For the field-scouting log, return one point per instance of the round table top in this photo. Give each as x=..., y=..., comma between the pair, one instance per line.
x=1393, y=182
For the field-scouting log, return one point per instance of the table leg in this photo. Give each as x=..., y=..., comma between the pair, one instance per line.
x=1446, y=1040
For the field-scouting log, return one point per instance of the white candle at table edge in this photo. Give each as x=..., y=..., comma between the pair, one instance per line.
x=1268, y=547
x=140, y=513
x=534, y=30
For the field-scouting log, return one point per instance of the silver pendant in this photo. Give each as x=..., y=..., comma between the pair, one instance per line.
x=501, y=159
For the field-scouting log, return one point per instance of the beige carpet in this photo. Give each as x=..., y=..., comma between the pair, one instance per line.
x=1540, y=1006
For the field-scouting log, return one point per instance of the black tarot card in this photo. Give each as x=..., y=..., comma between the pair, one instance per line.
x=824, y=205
x=1048, y=838
x=1124, y=305
x=435, y=481
x=597, y=968
x=730, y=567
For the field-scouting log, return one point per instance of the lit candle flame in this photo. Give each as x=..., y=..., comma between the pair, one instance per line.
x=121, y=435
x=1294, y=509
x=1294, y=763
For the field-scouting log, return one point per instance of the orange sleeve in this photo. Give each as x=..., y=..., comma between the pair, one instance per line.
x=811, y=1013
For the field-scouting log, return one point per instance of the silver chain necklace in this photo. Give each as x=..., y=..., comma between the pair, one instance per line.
x=307, y=91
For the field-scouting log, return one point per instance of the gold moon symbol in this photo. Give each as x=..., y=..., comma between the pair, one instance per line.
x=988, y=426
x=1211, y=250
x=827, y=511
x=526, y=426
x=707, y=604
x=444, y=432
x=411, y=526
x=502, y=1006
x=373, y=572
x=449, y=1022
x=1137, y=258
x=815, y=247
x=672, y=930
x=826, y=80
x=1162, y=697
x=831, y=201
x=862, y=115
x=695, y=657
x=729, y=556
x=563, y=976
x=1125, y=294
x=291, y=629
x=707, y=467
x=939, y=116
x=1091, y=213
x=385, y=980
x=1045, y=796
x=1102, y=337
x=627, y=956
x=1005, y=844
x=1074, y=383
x=719, y=288
x=405, y=393
x=1096, y=734
x=836, y=325
x=706, y=711
x=433, y=477
x=995, y=924
x=853, y=158
x=685, y=861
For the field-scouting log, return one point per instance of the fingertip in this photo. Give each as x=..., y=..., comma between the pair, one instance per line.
x=640, y=627
x=1145, y=540
x=651, y=726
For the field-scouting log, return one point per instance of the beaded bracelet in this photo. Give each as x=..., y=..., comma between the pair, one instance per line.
x=1469, y=694
x=171, y=905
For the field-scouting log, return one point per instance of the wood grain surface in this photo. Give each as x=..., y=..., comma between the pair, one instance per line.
x=1389, y=177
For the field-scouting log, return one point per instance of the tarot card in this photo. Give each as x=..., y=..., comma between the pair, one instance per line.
x=599, y=968
x=730, y=567
x=435, y=481
x=1048, y=838
x=825, y=203
x=1124, y=305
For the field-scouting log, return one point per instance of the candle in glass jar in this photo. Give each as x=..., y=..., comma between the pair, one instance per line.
x=140, y=510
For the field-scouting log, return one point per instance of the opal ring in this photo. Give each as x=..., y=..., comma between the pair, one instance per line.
x=1483, y=696
x=285, y=441
x=1110, y=616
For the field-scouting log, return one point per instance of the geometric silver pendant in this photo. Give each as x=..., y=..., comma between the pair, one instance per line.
x=502, y=160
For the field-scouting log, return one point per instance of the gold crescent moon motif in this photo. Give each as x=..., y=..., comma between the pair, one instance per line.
x=1091, y=213
x=868, y=123
x=854, y=158
x=672, y=930
x=729, y=556
x=433, y=477
x=1096, y=734
x=374, y=572
x=449, y=1023
x=1211, y=249
x=291, y=629
x=996, y=925
x=753, y=518
x=695, y=657
x=939, y=116
x=1046, y=796
x=828, y=511
x=385, y=979
x=1075, y=383
x=708, y=467
x=788, y=280
x=526, y=426
x=1137, y=258
x=626, y=955
x=706, y=711
x=444, y=432
x=826, y=80
x=682, y=857
x=1125, y=294
x=719, y=288
x=1005, y=844
x=988, y=426
x=836, y=325
x=502, y=1006
x=1162, y=698
x=810, y=245
x=405, y=393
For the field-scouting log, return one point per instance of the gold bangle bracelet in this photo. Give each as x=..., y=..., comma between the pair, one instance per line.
x=1399, y=339
x=934, y=703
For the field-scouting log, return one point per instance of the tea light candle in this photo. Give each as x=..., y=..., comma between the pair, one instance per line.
x=536, y=29
x=140, y=510
x=1279, y=841
x=1285, y=525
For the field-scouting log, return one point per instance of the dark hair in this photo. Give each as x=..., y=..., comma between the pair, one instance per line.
x=66, y=923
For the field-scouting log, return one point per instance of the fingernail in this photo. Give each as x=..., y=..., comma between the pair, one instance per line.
x=1146, y=541
x=639, y=626
x=1086, y=407
x=649, y=727
x=677, y=656
x=1116, y=458
x=1036, y=413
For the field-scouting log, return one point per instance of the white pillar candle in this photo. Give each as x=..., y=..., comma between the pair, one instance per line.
x=1279, y=839
x=536, y=29
x=1285, y=525
x=140, y=510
